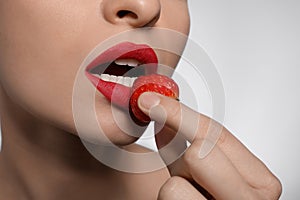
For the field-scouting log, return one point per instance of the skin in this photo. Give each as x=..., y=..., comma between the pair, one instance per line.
x=229, y=171
x=42, y=45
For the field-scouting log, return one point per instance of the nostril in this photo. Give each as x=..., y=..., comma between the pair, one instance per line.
x=126, y=13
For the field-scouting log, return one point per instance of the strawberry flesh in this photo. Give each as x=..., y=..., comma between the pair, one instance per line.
x=152, y=83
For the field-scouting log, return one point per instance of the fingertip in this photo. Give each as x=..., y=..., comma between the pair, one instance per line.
x=149, y=103
x=148, y=100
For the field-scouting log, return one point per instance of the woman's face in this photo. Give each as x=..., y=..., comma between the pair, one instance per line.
x=43, y=43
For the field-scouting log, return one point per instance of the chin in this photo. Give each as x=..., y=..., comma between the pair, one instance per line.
x=122, y=139
x=106, y=124
x=113, y=135
x=118, y=126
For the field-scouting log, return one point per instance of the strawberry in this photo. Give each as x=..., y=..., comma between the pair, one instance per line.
x=152, y=83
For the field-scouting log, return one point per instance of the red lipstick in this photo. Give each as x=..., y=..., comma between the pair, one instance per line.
x=106, y=71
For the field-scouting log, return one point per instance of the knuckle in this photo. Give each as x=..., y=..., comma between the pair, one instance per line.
x=171, y=187
x=278, y=188
x=192, y=153
x=271, y=190
x=274, y=189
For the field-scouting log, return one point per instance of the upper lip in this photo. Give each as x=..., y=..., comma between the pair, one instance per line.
x=143, y=53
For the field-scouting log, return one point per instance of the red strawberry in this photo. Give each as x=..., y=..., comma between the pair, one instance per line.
x=152, y=83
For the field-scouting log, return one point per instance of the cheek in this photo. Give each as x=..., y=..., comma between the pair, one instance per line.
x=175, y=17
x=42, y=45
x=43, y=93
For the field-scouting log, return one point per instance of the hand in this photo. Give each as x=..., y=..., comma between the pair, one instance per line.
x=227, y=170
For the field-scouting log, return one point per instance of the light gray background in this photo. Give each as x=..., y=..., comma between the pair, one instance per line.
x=255, y=46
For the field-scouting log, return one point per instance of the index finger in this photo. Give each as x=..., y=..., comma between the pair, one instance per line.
x=182, y=119
x=171, y=113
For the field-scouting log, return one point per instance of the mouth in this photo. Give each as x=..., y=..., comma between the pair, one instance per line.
x=114, y=71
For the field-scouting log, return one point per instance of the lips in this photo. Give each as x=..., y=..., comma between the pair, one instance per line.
x=114, y=71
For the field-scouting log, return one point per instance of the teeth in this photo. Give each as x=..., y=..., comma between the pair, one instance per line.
x=97, y=75
x=104, y=77
x=129, y=62
x=113, y=78
x=127, y=81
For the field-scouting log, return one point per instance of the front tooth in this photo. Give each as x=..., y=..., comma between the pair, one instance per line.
x=120, y=79
x=133, y=63
x=97, y=75
x=129, y=62
x=105, y=77
x=132, y=81
x=127, y=81
x=121, y=62
x=112, y=78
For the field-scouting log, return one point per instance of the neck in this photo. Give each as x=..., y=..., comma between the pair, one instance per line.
x=33, y=150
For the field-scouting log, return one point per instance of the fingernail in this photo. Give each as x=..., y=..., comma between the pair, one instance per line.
x=148, y=100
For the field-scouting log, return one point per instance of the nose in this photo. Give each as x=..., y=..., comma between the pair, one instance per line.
x=135, y=13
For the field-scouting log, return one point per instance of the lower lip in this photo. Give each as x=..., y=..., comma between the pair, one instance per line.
x=116, y=93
